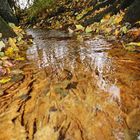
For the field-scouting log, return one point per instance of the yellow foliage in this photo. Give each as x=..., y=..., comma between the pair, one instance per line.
x=5, y=80
x=13, y=50
x=80, y=27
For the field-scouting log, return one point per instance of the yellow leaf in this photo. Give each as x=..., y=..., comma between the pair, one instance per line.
x=15, y=28
x=134, y=44
x=88, y=29
x=107, y=16
x=80, y=27
x=9, y=52
x=117, y=32
x=118, y=19
x=4, y=80
x=20, y=58
x=11, y=42
x=2, y=45
x=124, y=29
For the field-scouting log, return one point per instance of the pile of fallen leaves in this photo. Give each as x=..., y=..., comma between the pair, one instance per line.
x=12, y=50
x=58, y=15
x=112, y=28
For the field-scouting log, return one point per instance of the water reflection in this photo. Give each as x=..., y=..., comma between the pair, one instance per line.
x=104, y=66
x=70, y=54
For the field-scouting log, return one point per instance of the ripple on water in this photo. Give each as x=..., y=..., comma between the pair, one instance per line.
x=108, y=72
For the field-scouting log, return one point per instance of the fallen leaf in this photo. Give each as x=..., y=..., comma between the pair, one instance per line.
x=80, y=38
x=2, y=45
x=11, y=42
x=5, y=80
x=88, y=29
x=134, y=44
x=80, y=27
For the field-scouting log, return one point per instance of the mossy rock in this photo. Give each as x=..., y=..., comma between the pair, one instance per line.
x=5, y=29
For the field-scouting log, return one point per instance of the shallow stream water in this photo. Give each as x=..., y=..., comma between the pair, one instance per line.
x=73, y=90
x=102, y=75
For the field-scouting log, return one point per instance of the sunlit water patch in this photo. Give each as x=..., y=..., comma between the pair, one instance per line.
x=48, y=50
x=92, y=67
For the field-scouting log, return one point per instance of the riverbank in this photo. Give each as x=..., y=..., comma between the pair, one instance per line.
x=12, y=52
x=69, y=16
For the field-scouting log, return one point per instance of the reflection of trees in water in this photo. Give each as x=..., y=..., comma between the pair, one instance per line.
x=87, y=58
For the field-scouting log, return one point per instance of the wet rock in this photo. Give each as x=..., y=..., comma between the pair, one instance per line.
x=17, y=77
x=72, y=85
x=5, y=29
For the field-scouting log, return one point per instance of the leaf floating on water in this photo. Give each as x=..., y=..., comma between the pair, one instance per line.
x=5, y=80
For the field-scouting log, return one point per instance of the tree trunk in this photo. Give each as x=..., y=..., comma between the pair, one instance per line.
x=5, y=29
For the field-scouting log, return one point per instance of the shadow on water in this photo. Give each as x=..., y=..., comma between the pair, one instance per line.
x=109, y=69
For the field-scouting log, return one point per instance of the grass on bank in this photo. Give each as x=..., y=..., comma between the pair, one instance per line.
x=38, y=6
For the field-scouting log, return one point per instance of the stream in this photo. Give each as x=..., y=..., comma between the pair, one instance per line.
x=74, y=90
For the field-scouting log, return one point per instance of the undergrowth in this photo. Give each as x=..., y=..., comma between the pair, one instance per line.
x=38, y=6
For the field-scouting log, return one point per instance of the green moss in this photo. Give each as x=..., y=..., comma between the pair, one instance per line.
x=39, y=6
x=5, y=29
